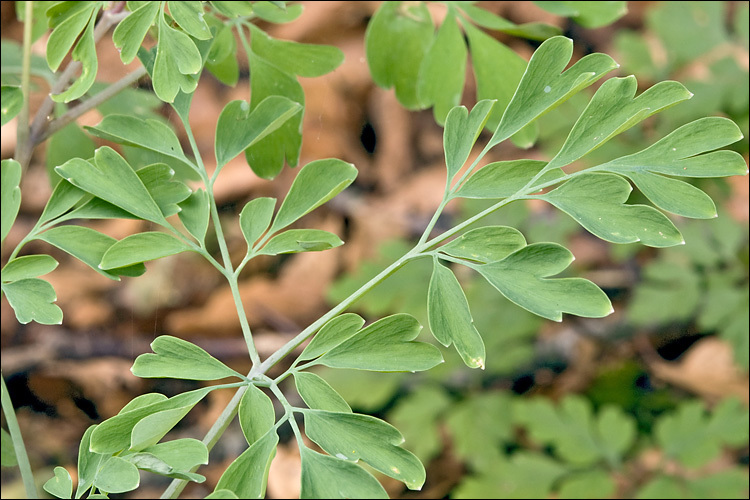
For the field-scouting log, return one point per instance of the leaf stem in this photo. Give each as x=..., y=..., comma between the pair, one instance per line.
x=23, y=117
x=18, y=446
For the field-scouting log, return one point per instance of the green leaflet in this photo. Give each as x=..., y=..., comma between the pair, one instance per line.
x=189, y=15
x=194, y=214
x=522, y=278
x=329, y=477
x=7, y=452
x=316, y=183
x=597, y=202
x=675, y=196
x=302, y=59
x=490, y=58
x=222, y=59
x=255, y=218
x=545, y=85
x=300, y=240
x=151, y=463
x=594, y=483
x=177, y=358
x=114, y=434
x=506, y=178
x=587, y=14
x=88, y=463
x=66, y=32
x=450, y=318
x=398, y=37
x=485, y=244
x=612, y=110
x=28, y=266
x=332, y=334
x=61, y=485
x=461, y=132
x=110, y=178
x=85, y=52
x=177, y=63
x=32, y=299
x=68, y=142
x=10, y=170
x=141, y=247
x=12, y=99
x=256, y=414
x=486, y=19
x=151, y=428
x=150, y=134
x=247, y=475
x=117, y=475
x=238, y=128
x=131, y=31
x=576, y=435
x=386, y=345
x=352, y=436
x=272, y=11
x=318, y=394
x=167, y=193
x=63, y=198
x=266, y=157
x=180, y=455
x=443, y=70
x=88, y=246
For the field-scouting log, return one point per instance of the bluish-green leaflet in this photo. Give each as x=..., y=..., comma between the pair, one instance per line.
x=300, y=240
x=10, y=170
x=462, y=128
x=85, y=52
x=177, y=65
x=12, y=99
x=141, y=247
x=32, y=299
x=333, y=333
x=60, y=485
x=248, y=474
x=28, y=266
x=255, y=218
x=324, y=476
x=177, y=358
x=131, y=31
x=256, y=414
x=318, y=394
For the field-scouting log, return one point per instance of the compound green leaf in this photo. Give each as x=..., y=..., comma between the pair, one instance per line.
x=318, y=394
x=522, y=277
x=180, y=454
x=303, y=59
x=177, y=358
x=194, y=214
x=131, y=31
x=505, y=178
x=65, y=34
x=239, y=128
x=61, y=485
x=88, y=246
x=247, y=476
x=255, y=218
x=461, y=132
x=85, y=52
x=545, y=85
x=151, y=428
x=117, y=475
x=167, y=193
x=301, y=240
x=12, y=99
x=10, y=170
x=587, y=14
x=189, y=15
x=450, y=318
x=441, y=77
x=333, y=333
x=386, y=345
x=485, y=244
x=110, y=178
x=316, y=183
x=150, y=134
x=141, y=247
x=398, y=37
x=27, y=266
x=614, y=109
x=177, y=63
x=88, y=463
x=490, y=58
x=266, y=157
x=114, y=434
x=674, y=195
x=597, y=202
x=352, y=436
x=256, y=414
x=32, y=299
x=328, y=477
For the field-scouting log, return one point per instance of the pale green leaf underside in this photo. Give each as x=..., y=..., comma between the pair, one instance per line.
x=60, y=485
x=301, y=240
x=485, y=244
x=194, y=214
x=247, y=476
x=318, y=394
x=32, y=299
x=28, y=266
x=506, y=178
x=141, y=247
x=523, y=278
x=328, y=477
x=332, y=334
x=85, y=52
x=255, y=218
x=151, y=428
x=177, y=358
x=352, y=436
x=131, y=31
x=256, y=414
x=450, y=318
x=303, y=59
x=462, y=128
x=117, y=475
x=386, y=345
